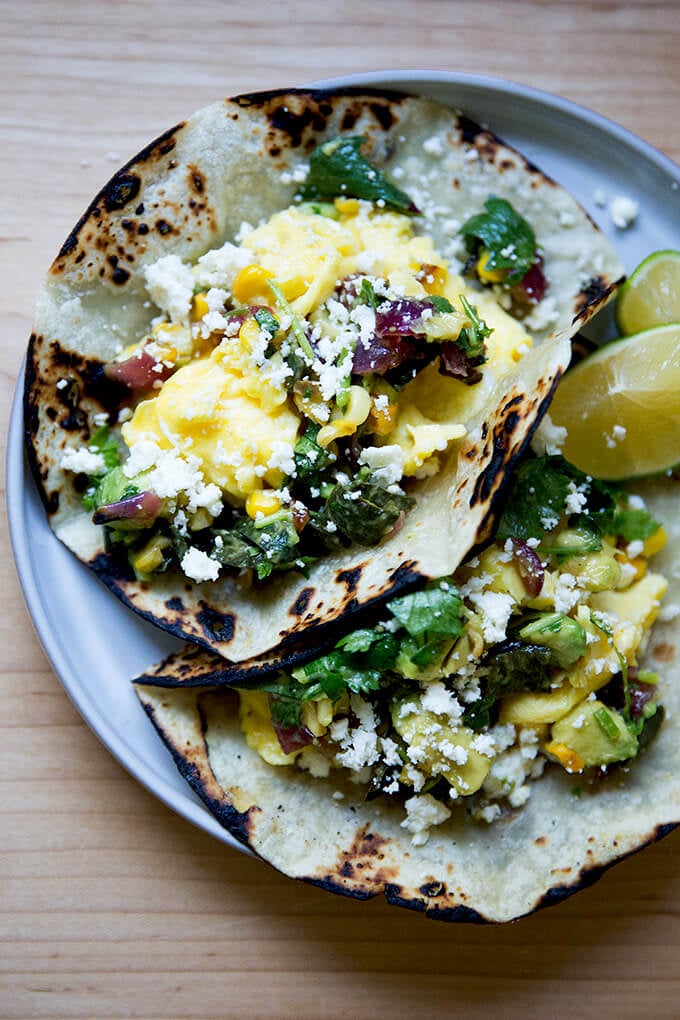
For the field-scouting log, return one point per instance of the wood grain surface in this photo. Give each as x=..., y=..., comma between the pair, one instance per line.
x=110, y=905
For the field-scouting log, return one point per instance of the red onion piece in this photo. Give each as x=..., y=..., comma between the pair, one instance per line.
x=142, y=509
x=640, y=694
x=138, y=372
x=400, y=318
x=293, y=738
x=382, y=354
x=529, y=566
x=533, y=285
x=455, y=363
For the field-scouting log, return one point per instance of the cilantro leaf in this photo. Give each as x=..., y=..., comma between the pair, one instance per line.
x=337, y=672
x=439, y=303
x=363, y=510
x=511, y=666
x=471, y=338
x=336, y=167
x=266, y=321
x=635, y=525
x=367, y=295
x=436, y=611
x=310, y=458
x=265, y=548
x=506, y=236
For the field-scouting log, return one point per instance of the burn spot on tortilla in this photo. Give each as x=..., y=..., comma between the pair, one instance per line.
x=433, y=888
x=469, y=129
x=295, y=124
x=215, y=625
x=196, y=179
x=121, y=189
x=349, y=119
x=299, y=607
x=350, y=578
x=492, y=474
x=541, y=841
x=594, y=293
x=119, y=275
x=664, y=652
x=383, y=114
x=405, y=573
x=363, y=863
x=175, y=604
x=164, y=228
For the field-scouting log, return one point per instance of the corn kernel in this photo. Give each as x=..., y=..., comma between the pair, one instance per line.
x=250, y=284
x=382, y=420
x=434, y=279
x=489, y=275
x=566, y=756
x=357, y=411
x=655, y=542
x=264, y=501
x=347, y=206
x=199, y=307
x=324, y=711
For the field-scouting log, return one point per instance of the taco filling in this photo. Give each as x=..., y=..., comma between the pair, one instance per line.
x=526, y=656
x=295, y=383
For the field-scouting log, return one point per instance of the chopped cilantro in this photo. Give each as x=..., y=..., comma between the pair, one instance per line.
x=435, y=611
x=367, y=295
x=310, y=458
x=263, y=547
x=337, y=168
x=363, y=510
x=505, y=235
x=266, y=321
x=471, y=338
x=635, y=525
x=439, y=303
x=509, y=667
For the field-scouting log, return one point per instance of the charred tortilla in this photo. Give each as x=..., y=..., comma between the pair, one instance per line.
x=188, y=192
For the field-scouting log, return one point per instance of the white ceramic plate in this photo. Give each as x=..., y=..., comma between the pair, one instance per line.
x=93, y=642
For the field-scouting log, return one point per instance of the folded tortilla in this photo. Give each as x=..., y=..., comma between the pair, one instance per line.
x=190, y=191
x=323, y=832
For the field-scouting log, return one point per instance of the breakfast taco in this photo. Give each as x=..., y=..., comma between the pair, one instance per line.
x=490, y=744
x=282, y=361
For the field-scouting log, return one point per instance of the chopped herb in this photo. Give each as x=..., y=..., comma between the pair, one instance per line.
x=367, y=295
x=506, y=237
x=103, y=442
x=440, y=304
x=336, y=168
x=598, y=621
x=576, y=791
x=310, y=458
x=510, y=667
x=337, y=672
x=604, y=720
x=471, y=338
x=296, y=323
x=635, y=525
x=260, y=546
x=266, y=321
x=436, y=611
x=363, y=510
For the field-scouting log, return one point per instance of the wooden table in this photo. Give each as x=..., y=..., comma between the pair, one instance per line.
x=111, y=906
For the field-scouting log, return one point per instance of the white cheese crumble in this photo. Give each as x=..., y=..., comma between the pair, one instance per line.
x=495, y=609
x=198, y=566
x=548, y=438
x=623, y=211
x=576, y=499
x=385, y=462
x=82, y=460
x=170, y=284
x=423, y=812
x=218, y=267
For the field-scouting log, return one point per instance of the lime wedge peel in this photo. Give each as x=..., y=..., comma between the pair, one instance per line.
x=621, y=406
x=651, y=296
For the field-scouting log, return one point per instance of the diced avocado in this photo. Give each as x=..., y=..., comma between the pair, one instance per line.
x=504, y=575
x=597, y=734
x=598, y=571
x=437, y=745
x=114, y=486
x=565, y=637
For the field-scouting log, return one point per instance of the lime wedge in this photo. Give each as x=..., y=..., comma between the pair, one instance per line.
x=651, y=297
x=621, y=406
